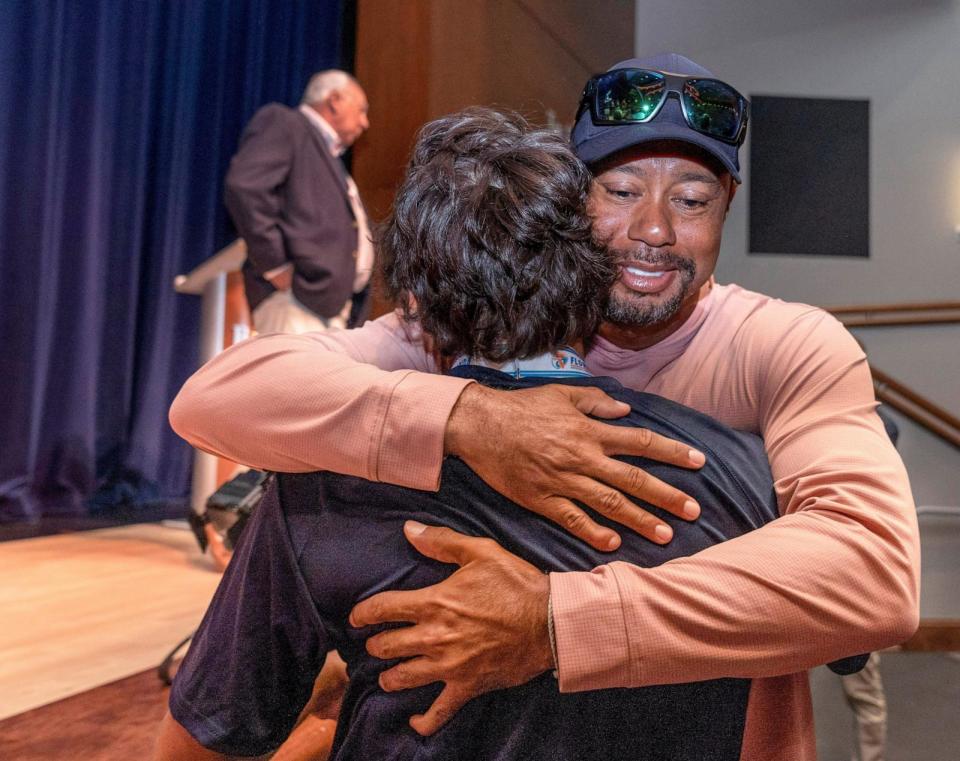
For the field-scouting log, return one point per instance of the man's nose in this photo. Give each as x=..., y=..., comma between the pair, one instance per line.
x=651, y=224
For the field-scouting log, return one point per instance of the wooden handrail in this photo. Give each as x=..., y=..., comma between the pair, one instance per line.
x=935, y=635
x=902, y=398
x=918, y=306
x=911, y=313
x=877, y=322
x=914, y=398
x=919, y=409
x=937, y=429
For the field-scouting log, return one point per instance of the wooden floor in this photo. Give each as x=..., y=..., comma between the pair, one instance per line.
x=116, y=722
x=81, y=610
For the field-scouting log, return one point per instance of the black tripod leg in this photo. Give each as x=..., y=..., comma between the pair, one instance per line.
x=163, y=670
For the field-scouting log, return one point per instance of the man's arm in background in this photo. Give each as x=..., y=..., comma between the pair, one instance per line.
x=296, y=403
x=252, y=189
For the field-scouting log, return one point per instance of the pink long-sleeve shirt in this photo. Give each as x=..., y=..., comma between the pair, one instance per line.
x=836, y=574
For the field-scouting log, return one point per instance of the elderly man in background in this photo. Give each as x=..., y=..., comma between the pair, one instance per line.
x=309, y=253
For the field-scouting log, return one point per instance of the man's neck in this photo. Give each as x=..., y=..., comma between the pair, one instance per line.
x=330, y=136
x=636, y=338
x=560, y=363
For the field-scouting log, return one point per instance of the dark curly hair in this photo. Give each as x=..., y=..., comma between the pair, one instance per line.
x=489, y=236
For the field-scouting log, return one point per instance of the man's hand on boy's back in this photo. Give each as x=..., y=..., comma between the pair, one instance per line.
x=539, y=448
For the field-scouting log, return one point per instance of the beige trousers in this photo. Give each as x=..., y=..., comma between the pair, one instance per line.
x=864, y=694
x=282, y=313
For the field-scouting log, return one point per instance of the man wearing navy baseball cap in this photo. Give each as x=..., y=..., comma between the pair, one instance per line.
x=669, y=119
x=662, y=138
x=630, y=105
x=835, y=575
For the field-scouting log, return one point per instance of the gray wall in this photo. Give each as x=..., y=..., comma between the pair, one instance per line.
x=904, y=56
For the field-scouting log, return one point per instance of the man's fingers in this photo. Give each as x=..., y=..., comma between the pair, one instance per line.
x=615, y=506
x=593, y=401
x=636, y=481
x=405, y=642
x=645, y=443
x=393, y=606
x=575, y=520
x=444, y=707
x=409, y=674
x=435, y=542
x=445, y=544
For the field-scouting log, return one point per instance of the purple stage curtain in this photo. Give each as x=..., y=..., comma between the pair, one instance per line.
x=119, y=119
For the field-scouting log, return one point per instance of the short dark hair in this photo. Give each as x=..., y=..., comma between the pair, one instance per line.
x=489, y=234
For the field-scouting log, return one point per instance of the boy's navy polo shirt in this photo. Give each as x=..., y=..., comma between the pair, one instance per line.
x=319, y=543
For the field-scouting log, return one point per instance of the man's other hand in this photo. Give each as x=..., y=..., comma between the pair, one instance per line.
x=539, y=448
x=484, y=628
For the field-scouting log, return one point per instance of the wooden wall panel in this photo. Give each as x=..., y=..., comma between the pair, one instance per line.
x=393, y=65
x=529, y=55
x=421, y=59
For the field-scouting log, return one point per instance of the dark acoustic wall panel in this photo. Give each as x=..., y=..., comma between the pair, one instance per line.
x=810, y=176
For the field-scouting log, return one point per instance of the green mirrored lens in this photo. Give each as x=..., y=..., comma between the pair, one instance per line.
x=712, y=107
x=629, y=95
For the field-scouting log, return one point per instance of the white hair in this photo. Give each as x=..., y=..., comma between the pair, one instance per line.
x=323, y=83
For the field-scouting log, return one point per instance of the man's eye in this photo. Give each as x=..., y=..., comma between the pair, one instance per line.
x=691, y=203
x=620, y=193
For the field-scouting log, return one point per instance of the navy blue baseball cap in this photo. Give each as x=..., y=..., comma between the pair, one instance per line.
x=593, y=142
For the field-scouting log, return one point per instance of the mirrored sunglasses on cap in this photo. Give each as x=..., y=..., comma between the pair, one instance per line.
x=635, y=96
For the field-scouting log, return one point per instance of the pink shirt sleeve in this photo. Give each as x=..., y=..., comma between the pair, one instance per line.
x=836, y=574
x=358, y=402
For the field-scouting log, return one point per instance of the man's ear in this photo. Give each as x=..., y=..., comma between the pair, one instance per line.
x=333, y=101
